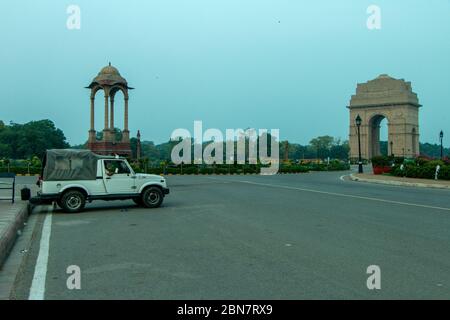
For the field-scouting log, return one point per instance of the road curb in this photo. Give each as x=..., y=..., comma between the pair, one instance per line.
x=229, y=174
x=399, y=183
x=9, y=236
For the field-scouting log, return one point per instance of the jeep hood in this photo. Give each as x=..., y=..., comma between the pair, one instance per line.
x=149, y=176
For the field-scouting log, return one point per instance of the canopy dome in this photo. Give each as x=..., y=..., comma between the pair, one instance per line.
x=109, y=69
x=109, y=76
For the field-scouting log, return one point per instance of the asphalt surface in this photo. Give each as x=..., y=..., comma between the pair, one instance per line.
x=307, y=236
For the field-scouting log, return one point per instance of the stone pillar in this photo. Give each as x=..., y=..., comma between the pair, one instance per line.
x=126, y=114
x=126, y=132
x=111, y=125
x=92, y=114
x=106, y=129
x=92, y=129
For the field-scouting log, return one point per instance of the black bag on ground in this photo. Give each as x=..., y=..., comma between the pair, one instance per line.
x=25, y=194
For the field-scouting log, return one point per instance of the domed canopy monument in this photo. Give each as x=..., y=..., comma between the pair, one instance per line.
x=110, y=81
x=385, y=98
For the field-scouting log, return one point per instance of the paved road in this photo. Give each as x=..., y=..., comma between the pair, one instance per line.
x=251, y=237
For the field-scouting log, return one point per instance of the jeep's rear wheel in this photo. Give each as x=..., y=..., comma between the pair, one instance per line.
x=73, y=201
x=152, y=197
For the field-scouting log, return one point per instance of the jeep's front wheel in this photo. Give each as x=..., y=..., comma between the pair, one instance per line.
x=73, y=201
x=152, y=197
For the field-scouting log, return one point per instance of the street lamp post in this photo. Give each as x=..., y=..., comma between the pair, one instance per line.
x=441, y=138
x=358, y=125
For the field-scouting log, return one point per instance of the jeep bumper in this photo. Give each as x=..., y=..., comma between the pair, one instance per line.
x=166, y=191
x=44, y=198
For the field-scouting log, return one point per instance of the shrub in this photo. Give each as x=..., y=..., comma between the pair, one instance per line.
x=434, y=163
x=381, y=161
x=444, y=173
x=293, y=169
x=334, y=165
x=189, y=170
x=173, y=170
x=206, y=170
x=155, y=170
x=422, y=160
x=251, y=168
x=396, y=171
x=425, y=170
x=338, y=166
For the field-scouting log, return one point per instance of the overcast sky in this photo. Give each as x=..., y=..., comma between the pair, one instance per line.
x=284, y=64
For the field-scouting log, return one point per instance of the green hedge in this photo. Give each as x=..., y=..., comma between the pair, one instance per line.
x=425, y=171
x=332, y=166
x=382, y=161
x=294, y=169
x=21, y=170
x=386, y=161
x=218, y=169
x=245, y=169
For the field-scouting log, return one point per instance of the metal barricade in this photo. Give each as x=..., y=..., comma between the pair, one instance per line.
x=8, y=185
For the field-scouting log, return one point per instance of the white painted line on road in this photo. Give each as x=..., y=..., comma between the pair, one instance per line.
x=346, y=195
x=342, y=177
x=37, y=290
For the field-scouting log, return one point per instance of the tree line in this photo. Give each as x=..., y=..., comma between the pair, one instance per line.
x=25, y=141
x=32, y=139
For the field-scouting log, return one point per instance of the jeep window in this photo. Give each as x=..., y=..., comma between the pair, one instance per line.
x=62, y=163
x=116, y=167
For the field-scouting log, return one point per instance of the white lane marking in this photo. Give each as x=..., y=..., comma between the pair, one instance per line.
x=37, y=290
x=342, y=177
x=347, y=195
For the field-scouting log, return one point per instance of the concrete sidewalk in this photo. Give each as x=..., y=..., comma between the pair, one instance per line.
x=399, y=181
x=12, y=220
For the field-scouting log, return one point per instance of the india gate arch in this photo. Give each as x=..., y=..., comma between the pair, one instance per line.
x=390, y=99
x=110, y=82
x=374, y=134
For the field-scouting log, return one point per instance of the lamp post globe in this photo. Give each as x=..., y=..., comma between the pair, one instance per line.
x=358, y=120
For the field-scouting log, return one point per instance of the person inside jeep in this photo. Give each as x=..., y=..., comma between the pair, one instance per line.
x=110, y=170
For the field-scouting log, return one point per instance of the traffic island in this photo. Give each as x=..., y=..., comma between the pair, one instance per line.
x=400, y=181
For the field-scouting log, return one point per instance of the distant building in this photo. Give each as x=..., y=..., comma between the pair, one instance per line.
x=138, y=146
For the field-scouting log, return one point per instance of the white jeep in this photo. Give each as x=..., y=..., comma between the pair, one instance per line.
x=72, y=177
